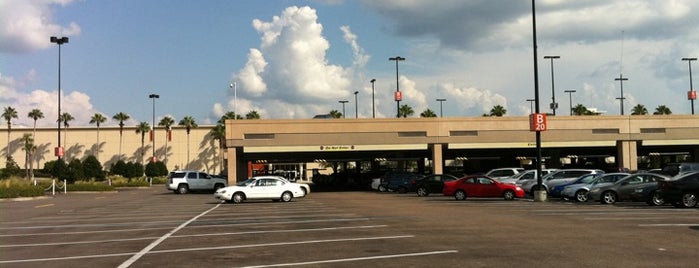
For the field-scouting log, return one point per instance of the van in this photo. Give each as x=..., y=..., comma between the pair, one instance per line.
x=674, y=169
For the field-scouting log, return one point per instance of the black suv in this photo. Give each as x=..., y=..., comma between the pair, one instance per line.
x=432, y=184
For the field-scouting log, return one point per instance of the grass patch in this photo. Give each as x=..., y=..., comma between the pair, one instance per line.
x=16, y=187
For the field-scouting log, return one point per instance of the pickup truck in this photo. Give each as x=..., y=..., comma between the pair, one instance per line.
x=184, y=181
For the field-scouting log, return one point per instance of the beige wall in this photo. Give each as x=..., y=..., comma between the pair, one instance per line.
x=81, y=142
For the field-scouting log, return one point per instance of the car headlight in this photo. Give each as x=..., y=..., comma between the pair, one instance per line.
x=222, y=191
x=518, y=188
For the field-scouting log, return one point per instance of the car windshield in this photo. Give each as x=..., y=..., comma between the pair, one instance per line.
x=245, y=182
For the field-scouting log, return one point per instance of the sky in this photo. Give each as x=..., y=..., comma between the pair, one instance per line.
x=295, y=59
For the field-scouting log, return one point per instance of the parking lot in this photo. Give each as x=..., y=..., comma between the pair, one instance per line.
x=156, y=228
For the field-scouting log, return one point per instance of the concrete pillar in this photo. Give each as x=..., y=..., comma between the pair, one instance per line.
x=232, y=165
x=627, y=154
x=437, y=159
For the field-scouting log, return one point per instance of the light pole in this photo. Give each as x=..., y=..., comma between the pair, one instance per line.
x=373, y=105
x=621, y=99
x=440, y=106
x=356, y=106
x=152, y=134
x=570, y=98
x=234, y=86
x=59, y=41
x=531, y=105
x=398, y=96
x=691, y=94
x=343, y=107
x=554, y=105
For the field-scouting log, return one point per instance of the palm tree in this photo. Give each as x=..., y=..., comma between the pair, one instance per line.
x=229, y=115
x=335, y=114
x=142, y=129
x=65, y=118
x=98, y=119
x=166, y=123
x=639, y=109
x=29, y=148
x=405, y=111
x=580, y=110
x=35, y=114
x=662, y=109
x=121, y=117
x=8, y=114
x=252, y=115
x=428, y=113
x=498, y=110
x=218, y=133
x=188, y=123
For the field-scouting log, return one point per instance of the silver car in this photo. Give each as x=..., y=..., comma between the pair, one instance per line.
x=557, y=178
x=636, y=187
x=578, y=192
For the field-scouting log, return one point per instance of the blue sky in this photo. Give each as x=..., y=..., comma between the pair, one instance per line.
x=295, y=59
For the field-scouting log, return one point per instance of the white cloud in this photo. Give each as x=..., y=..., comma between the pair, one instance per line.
x=27, y=25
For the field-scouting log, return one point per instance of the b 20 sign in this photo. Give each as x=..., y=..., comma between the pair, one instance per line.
x=537, y=122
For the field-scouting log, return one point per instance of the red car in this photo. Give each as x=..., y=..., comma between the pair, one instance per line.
x=481, y=186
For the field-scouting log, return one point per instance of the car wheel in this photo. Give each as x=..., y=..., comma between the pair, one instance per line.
x=460, y=195
x=382, y=188
x=689, y=200
x=422, y=191
x=509, y=195
x=402, y=190
x=182, y=189
x=286, y=197
x=608, y=197
x=238, y=198
x=581, y=196
x=655, y=199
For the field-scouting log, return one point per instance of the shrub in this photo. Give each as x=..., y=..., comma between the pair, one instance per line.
x=89, y=186
x=119, y=168
x=15, y=187
x=92, y=169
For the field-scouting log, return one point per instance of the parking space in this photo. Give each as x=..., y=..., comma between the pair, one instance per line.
x=155, y=228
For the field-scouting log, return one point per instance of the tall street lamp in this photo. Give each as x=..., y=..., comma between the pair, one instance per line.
x=152, y=133
x=570, y=98
x=59, y=41
x=234, y=86
x=621, y=99
x=343, y=107
x=398, y=96
x=356, y=106
x=531, y=105
x=440, y=106
x=691, y=94
x=554, y=105
x=373, y=105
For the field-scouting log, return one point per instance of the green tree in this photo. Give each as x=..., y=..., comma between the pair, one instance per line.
x=9, y=113
x=98, y=119
x=134, y=170
x=229, y=115
x=580, y=110
x=639, y=109
x=662, y=110
x=498, y=110
x=188, y=123
x=166, y=123
x=142, y=129
x=405, y=111
x=119, y=168
x=35, y=114
x=336, y=114
x=75, y=171
x=428, y=113
x=92, y=168
x=29, y=148
x=252, y=115
x=121, y=117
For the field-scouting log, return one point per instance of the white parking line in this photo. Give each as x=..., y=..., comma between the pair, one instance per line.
x=669, y=224
x=357, y=259
x=145, y=250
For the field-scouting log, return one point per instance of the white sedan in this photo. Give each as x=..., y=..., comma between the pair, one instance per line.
x=264, y=187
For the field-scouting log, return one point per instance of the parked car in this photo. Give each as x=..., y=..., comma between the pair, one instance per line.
x=401, y=182
x=674, y=169
x=557, y=177
x=502, y=173
x=523, y=176
x=184, y=181
x=431, y=183
x=556, y=190
x=636, y=187
x=578, y=192
x=263, y=187
x=681, y=191
x=481, y=186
